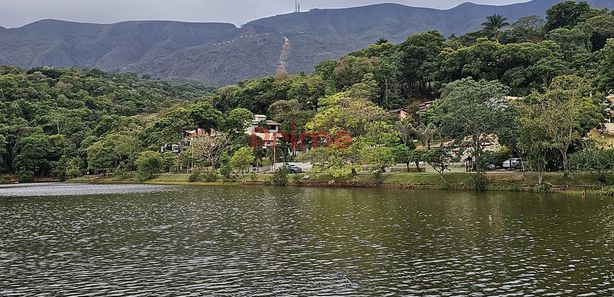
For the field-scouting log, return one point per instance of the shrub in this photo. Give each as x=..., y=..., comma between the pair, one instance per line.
x=280, y=177
x=479, y=182
x=543, y=188
x=199, y=175
x=226, y=173
x=194, y=176
x=4, y=180
x=24, y=176
x=122, y=171
x=210, y=176
x=297, y=179
x=608, y=191
x=242, y=158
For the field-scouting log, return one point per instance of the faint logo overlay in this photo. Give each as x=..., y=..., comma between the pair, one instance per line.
x=299, y=140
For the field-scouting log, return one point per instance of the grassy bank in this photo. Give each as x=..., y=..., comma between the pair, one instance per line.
x=496, y=181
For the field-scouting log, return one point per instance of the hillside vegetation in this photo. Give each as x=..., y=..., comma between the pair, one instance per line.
x=557, y=71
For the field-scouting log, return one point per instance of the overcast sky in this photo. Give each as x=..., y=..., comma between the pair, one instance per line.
x=15, y=13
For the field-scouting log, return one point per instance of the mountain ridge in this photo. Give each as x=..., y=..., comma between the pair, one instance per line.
x=220, y=53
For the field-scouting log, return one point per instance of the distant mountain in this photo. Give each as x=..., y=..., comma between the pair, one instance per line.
x=219, y=54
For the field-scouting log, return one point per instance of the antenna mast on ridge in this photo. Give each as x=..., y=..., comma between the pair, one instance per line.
x=297, y=6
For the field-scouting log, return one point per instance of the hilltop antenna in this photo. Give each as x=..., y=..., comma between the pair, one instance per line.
x=297, y=6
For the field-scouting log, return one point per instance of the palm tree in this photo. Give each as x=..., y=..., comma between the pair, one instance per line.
x=426, y=134
x=382, y=41
x=494, y=24
x=406, y=131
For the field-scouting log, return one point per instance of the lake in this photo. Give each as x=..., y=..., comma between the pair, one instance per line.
x=125, y=240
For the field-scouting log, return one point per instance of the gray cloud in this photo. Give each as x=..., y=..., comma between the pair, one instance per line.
x=14, y=13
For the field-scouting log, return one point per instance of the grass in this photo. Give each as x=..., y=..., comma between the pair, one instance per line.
x=497, y=181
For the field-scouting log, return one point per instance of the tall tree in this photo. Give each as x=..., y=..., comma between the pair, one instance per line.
x=418, y=63
x=242, y=159
x=606, y=69
x=566, y=14
x=528, y=29
x=556, y=119
x=565, y=100
x=532, y=140
x=476, y=109
x=493, y=26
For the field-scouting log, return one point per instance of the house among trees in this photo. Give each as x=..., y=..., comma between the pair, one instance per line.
x=424, y=106
x=188, y=137
x=400, y=113
x=267, y=131
x=192, y=134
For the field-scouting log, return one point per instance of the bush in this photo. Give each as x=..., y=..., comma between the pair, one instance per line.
x=543, y=188
x=194, y=176
x=122, y=171
x=608, y=191
x=4, y=180
x=25, y=176
x=479, y=182
x=210, y=176
x=280, y=177
x=199, y=175
x=297, y=179
x=227, y=173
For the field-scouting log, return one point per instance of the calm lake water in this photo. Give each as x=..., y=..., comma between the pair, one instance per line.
x=77, y=240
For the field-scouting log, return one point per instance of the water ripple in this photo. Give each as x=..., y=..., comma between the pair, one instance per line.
x=304, y=242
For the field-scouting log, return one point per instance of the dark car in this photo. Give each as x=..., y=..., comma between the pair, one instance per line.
x=294, y=169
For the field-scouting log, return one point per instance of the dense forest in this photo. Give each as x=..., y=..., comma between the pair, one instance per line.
x=539, y=85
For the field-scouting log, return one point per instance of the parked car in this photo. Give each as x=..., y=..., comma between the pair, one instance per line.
x=294, y=169
x=514, y=163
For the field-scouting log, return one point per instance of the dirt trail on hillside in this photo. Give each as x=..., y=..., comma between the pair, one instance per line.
x=283, y=57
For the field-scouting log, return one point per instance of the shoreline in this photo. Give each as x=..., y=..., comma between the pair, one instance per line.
x=507, y=182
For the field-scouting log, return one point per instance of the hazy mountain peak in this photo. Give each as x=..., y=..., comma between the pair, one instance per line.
x=221, y=53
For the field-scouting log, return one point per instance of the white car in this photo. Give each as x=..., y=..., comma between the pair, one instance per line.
x=514, y=163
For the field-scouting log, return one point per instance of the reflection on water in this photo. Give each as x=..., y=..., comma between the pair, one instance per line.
x=57, y=189
x=232, y=241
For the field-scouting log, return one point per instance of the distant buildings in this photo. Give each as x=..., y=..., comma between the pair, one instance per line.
x=267, y=131
x=400, y=113
x=424, y=106
x=188, y=137
x=404, y=113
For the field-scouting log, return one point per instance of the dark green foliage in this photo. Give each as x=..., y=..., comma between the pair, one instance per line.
x=280, y=177
x=608, y=191
x=566, y=14
x=297, y=179
x=600, y=161
x=69, y=122
x=479, y=182
x=149, y=164
x=199, y=175
x=493, y=26
x=418, y=62
x=51, y=119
